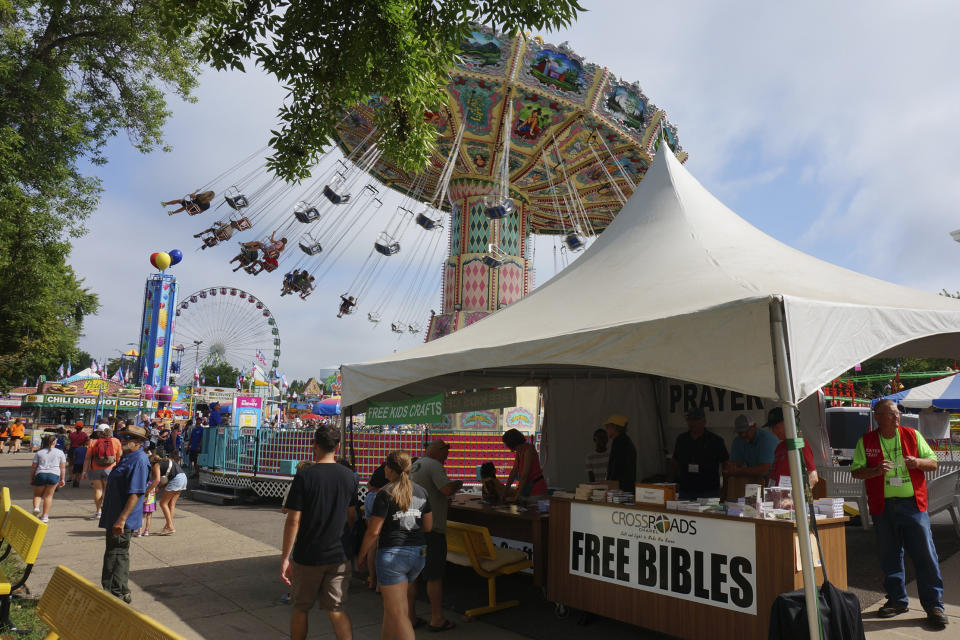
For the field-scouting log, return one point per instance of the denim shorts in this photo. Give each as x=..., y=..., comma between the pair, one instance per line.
x=43, y=479
x=177, y=483
x=398, y=564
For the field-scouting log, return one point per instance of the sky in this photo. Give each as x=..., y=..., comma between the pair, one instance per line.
x=830, y=126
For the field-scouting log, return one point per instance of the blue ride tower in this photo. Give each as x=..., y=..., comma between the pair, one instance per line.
x=156, y=329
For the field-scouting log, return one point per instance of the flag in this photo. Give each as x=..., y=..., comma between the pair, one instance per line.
x=238, y=384
x=203, y=379
x=283, y=379
x=60, y=371
x=69, y=372
x=260, y=358
x=218, y=381
x=117, y=375
x=24, y=382
x=196, y=374
x=94, y=367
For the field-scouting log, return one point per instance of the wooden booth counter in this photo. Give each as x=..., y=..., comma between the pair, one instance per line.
x=691, y=575
x=527, y=527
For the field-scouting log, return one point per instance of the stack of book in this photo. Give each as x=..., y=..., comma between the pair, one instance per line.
x=829, y=507
x=595, y=491
x=619, y=497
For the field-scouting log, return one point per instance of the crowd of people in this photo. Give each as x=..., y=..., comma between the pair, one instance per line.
x=398, y=536
x=132, y=469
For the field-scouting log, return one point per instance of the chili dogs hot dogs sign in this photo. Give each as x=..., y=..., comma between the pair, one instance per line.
x=706, y=560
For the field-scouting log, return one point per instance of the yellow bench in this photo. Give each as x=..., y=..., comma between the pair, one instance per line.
x=68, y=595
x=5, y=503
x=470, y=545
x=23, y=533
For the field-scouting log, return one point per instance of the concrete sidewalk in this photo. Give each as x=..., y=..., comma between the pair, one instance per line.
x=215, y=581
x=206, y=581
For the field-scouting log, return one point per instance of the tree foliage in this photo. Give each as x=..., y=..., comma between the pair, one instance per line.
x=228, y=374
x=72, y=75
x=333, y=55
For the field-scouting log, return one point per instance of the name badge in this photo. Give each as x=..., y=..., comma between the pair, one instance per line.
x=896, y=481
x=693, y=468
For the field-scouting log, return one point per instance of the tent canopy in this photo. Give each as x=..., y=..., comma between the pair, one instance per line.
x=939, y=394
x=682, y=287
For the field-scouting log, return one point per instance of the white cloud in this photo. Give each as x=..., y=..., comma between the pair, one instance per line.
x=841, y=114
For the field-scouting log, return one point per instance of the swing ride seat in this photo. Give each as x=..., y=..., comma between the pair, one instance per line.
x=234, y=198
x=373, y=317
x=386, y=245
x=335, y=197
x=311, y=249
x=427, y=222
x=306, y=214
x=192, y=208
x=573, y=241
x=243, y=224
x=500, y=210
x=413, y=328
x=396, y=328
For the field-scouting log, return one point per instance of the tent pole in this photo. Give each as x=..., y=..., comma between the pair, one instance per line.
x=784, y=383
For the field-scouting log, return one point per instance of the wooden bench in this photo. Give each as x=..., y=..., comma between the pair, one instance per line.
x=104, y=616
x=470, y=545
x=22, y=533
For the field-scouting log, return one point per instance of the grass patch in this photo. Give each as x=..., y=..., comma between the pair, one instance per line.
x=22, y=611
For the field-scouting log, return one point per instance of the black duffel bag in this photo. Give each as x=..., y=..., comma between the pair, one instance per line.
x=840, y=617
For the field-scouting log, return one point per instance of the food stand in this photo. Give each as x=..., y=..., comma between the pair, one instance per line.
x=691, y=575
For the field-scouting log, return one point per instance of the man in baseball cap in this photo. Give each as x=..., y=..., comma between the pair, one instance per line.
x=751, y=453
x=697, y=456
x=123, y=509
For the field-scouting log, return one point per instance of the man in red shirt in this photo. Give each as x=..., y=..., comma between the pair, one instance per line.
x=781, y=466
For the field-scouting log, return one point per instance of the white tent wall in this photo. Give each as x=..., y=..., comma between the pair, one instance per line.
x=575, y=408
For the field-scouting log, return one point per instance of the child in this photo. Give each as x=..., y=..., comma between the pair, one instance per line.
x=150, y=497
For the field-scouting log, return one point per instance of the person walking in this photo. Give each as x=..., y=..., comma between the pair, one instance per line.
x=892, y=461
x=321, y=503
x=428, y=472
x=15, y=435
x=123, y=510
x=401, y=517
x=46, y=474
x=78, y=441
x=173, y=481
x=196, y=448
x=103, y=453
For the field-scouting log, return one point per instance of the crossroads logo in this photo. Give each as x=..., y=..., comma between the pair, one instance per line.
x=650, y=522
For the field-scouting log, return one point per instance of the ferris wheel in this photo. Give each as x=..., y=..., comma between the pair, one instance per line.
x=225, y=325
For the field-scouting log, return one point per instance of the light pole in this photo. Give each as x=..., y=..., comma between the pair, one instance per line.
x=196, y=373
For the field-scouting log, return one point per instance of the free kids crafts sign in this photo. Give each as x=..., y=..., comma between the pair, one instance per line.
x=705, y=560
x=427, y=410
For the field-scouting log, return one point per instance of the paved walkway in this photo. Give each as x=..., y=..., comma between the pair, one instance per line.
x=213, y=581
x=206, y=581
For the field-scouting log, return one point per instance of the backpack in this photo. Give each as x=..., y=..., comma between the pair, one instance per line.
x=103, y=455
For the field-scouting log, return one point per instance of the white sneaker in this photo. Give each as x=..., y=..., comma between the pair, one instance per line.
x=45, y=519
x=36, y=511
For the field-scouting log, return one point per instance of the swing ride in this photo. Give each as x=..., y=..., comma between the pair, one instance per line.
x=532, y=140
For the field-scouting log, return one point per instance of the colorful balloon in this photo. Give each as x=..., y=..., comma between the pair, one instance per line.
x=175, y=256
x=161, y=260
x=153, y=260
x=148, y=392
x=165, y=393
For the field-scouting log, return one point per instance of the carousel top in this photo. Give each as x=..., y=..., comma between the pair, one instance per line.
x=574, y=130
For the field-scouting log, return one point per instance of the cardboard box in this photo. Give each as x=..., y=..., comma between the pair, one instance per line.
x=657, y=494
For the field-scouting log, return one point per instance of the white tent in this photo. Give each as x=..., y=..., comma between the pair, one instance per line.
x=679, y=286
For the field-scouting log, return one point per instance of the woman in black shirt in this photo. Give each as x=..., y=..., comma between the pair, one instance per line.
x=401, y=515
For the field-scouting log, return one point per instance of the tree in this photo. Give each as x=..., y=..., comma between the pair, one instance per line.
x=72, y=75
x=228, y=374
x=335, y=54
